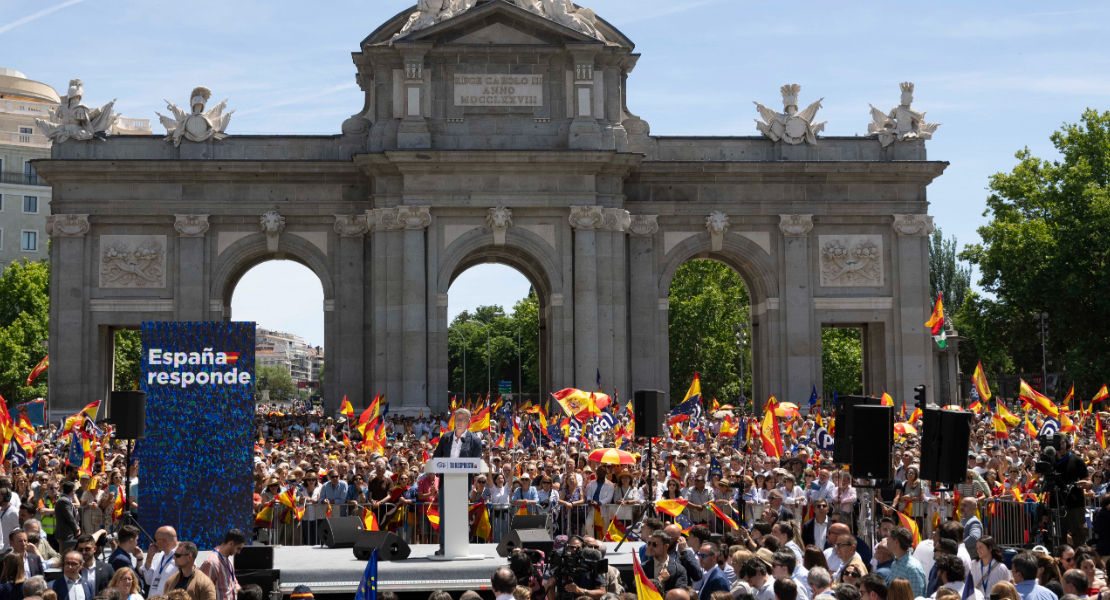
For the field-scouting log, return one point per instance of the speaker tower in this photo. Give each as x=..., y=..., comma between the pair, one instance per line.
x=649, y=407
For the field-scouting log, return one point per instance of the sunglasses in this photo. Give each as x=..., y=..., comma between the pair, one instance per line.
x=655, y=544
x=179, y=554
x=851, y=574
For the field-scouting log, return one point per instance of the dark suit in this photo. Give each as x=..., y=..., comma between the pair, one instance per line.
x=807, y=532
x=120, y=558
x=676, y=580
x=715, y=581
x=471, y=448
x=104, y=572
x=65, y=519
x=61, y=588
x=35, y=564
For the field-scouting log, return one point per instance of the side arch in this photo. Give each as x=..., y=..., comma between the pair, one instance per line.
x=252, y=250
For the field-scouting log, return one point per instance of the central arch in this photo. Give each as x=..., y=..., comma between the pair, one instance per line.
x=529, y=255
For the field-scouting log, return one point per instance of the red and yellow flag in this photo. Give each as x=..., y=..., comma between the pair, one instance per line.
x=770, y=435
x=645, y=590
x=980, y=381
x=265, y=517
x=671, y=507
x=1001, y=431
x=1069, y=397
x=936, y=322
x=480, y=421
x=1038, y=400
x=976, y=407
x=617, y=531
x=482, y=526
x=577, y=403
x=886, y=399
x=917, y=414
x=346, y=408
x=119, y=505
x=370, y=520
x=38, y=370
x=1010, y=418
x=910, y=524
x=1030, y=430
x=1100, y=433
x=722, y=516
x=1100, y=396
x=433, y=516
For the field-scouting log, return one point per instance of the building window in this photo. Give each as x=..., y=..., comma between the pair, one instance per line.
x=31, y=204
x=29, y=175
x=25, y=130
x=30, y=241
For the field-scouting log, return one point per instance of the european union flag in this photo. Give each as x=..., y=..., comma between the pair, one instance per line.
x=368, y=587
x=76, y=451
x=741, y=438
x=813, y=397
x=714, y=466
x=701, y=436
x=834, y=398
x=682, y=520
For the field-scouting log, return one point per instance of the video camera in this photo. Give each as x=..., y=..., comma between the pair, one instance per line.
x=527, y=565
x=1051, y=444
x=569, y=565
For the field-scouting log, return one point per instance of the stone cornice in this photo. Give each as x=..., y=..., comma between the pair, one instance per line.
x=792, y=172
x=194, y=171
x=191, y=225
x=525, y=162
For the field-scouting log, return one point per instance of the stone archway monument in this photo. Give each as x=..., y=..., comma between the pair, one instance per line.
x=500, y=131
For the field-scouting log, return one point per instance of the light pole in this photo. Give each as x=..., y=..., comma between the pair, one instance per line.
x=489, y=364
x=741, y=336
x=519, y=366
x=1042, y=317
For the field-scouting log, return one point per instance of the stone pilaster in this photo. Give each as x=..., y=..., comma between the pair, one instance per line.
x=189, y=297
x=585, y=220
x=802, y=336
x=912, y=304
x=386, y=245
x=612, y=304
x=644, y=311
x=68, y=259
x=414, y=312
x=414, y=133
x=347, y=365
x=585, y=131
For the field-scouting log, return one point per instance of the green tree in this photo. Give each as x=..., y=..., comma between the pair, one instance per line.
x=706, y=299
x=946, y=274
x=24, y=322
x=842, y=360
x=277, y=381
x=1047, y=248
x=129, y=349
x=504, y=333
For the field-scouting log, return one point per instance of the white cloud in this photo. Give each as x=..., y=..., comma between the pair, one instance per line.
x=42, y=13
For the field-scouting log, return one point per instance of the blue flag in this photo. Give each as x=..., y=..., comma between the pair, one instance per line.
x=17, y=454
x=834, y=398
x=599, y=379
x=714, y=466
x=1050, y=427
x=368, y=587
x=813, y=398
x=823, y=439
x=76, y=451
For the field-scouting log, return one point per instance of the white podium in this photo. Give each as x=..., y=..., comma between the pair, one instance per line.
x=454, y=525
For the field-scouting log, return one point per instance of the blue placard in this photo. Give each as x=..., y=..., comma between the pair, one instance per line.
x=195, y=463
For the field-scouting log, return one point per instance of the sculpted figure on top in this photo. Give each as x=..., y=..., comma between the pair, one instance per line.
x=197, y=126
x=791, y=126
x=903, y=122
x=564, y=12
x=71, y=119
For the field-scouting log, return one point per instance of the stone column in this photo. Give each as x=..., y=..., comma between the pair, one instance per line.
x=347, y=359
x=386, y=291
x=585, y=220
x=68, y=329
x=414, y=312
x=612, y=300
x=912, y=305
x=644, y=311
x=802, y=337
x=585, y=131
x=189, y=297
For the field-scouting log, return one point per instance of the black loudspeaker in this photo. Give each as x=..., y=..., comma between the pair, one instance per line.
x=649, y=409
x=255, y=558
x=945, y=436
x=390, y=546
x=872, y=441
x=532, y=539
x=128, y=410
x=842, y=438
x=529, y=522
x=340, y=532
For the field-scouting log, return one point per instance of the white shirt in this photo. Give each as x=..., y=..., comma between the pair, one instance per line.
x=606, y=492
x=504, y=597
x=161, y=569
x=994, y=573
x=89, y=575
x=959, y=587
x=821, y=534
x=799, y=576
x=9, y=520
x=76, y=590
x=924, y=555
x=456, y=445
x=767, y=592
x=835, y=564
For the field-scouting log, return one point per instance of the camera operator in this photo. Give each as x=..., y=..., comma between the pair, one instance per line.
x=583, y=583
x=1071, y=473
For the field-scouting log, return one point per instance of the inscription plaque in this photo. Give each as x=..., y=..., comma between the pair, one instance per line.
x=498, y=90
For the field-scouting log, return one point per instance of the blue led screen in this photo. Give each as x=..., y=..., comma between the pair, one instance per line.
x=195, y=463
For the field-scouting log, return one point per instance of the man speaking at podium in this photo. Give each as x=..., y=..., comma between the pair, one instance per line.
x=461, y=443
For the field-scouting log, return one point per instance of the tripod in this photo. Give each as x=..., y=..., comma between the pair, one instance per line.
x=128, y=517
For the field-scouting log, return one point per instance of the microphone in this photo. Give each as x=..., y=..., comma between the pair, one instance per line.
x=1050, y=453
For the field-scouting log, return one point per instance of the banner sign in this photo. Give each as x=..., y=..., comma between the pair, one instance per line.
x=196, y=461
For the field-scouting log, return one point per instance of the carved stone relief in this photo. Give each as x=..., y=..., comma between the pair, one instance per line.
x=913, y=224
x=851, y=260
x=615, y=219
x=399, y=217
x=717, y=225
x=351, y=225
x=67, y=225
x=795, y=225
x=272, y=225
x=644, y=225
x=132, y=261
x=191, y=225
x=499, y=219
x=586, y=217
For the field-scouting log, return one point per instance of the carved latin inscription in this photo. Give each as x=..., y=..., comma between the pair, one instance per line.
x=851, y=260
x=498, y=90
x=132, y=261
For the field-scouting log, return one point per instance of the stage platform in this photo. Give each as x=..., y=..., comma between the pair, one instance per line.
x=329, y=571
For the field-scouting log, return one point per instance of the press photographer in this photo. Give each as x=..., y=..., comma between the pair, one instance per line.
x=575, y=571
x=1064, y=478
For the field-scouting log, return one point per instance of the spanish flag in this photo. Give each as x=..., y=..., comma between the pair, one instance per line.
x=370, y=520
x=886, y=400
x=265, y=517
x=616, y=532
x=1000, y=430
x=38, y=370
x=936, y=322
x=976, y=407
x=1030, y=430
x=347, y=409
x=1069, y=397
x=1038, y=400
x=1016, y=493
x=1010, y=418
x=917, y=414
x=980, y=381
x=1100, y=396
x=1100, y=433
x=433, y=516
x=482, y=528
x=910, y=524
x=577, y=403
x=671, y=507
x=480, y=422
x=770, y=435
x=119, y=505
x=722, y=516
x=644, y=588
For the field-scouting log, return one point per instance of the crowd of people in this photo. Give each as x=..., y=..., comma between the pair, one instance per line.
x=790, y=527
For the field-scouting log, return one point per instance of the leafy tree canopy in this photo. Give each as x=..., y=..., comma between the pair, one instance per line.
x=24, y=322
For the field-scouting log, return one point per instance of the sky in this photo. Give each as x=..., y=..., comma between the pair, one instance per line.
x=999, y=76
